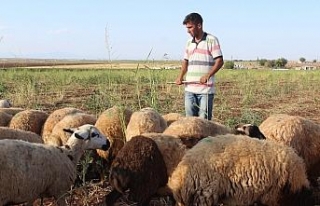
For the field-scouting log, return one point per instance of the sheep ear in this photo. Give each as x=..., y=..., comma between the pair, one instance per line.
x=69, y=130
x=78, y=136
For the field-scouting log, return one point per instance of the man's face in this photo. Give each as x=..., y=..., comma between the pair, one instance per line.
x=193, y=29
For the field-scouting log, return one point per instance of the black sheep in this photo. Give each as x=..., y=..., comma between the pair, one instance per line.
x=139, y=167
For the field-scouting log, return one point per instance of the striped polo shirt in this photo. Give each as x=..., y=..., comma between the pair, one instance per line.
x=200, y=57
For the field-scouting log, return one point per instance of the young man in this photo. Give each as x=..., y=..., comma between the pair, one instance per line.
x=202, y=60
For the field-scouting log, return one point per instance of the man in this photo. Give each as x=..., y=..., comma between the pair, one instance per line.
x=202, y=60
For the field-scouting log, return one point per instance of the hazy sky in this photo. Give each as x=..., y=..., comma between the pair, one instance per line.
x=247, y=30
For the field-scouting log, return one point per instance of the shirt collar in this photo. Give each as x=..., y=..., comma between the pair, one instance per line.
x=204, y=36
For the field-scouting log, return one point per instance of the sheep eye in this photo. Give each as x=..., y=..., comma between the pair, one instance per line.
x=94, y=134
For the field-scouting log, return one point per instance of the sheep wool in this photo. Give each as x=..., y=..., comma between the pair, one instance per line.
x=29, y=120
x=139, y=167
x=55, y=117
x=171, y=148
x=171, y=117
x=59, y=137
x=113, y=123
x=8, y=133
x=32, y=170
x=192, y=129
x=143, y=121
x=5, y=118
x=237, y=170
x=301, y=134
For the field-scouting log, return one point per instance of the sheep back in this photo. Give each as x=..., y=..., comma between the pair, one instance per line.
x=171, y=148
x=172, y=117
x=298, y=132
x=29, y=120
x=139, y=166
x=112, y=123
x=12, y=110
x=58, y=137
x=27, y=169
x=55, y=117
x=237, y=170
x=143, y=121
x=192, y=129
x=8, y=133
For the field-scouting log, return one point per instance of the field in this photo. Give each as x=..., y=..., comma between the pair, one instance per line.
x=243, y=96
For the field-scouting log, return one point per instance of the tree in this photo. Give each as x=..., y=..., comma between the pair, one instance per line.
x=302, y=59
x=262, y=62
x=229, y=65
x=281, y=62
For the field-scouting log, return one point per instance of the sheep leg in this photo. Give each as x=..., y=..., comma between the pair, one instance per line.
x=112, y=197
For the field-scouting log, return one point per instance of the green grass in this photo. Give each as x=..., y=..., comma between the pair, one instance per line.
x=242, y=95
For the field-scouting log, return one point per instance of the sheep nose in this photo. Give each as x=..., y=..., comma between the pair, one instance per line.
x=106, y=146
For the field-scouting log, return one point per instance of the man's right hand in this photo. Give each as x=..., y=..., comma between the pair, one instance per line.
x=178, y=81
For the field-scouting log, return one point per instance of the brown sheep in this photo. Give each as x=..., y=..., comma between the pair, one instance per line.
x=143, y=121
x=192, y=129
x=139, y=167
x=301, y=134
x=29, y=120
x=112, y=123
x=55, y=117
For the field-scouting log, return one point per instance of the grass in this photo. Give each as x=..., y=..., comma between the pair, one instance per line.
x=242, y=95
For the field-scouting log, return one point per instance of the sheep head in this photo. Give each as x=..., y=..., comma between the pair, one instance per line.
x=249, y=130
x=88, y=136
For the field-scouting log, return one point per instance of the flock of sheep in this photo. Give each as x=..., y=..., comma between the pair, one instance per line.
x=193, y=160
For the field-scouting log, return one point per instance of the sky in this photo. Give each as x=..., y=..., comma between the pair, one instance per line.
x=153, y=30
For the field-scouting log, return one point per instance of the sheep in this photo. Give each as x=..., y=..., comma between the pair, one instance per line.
x=32, y=170
x=237, y=170
x=58, y=137
x=143, y=121
x=112, y=123
x=139, y=167
x=29, y=120
x=55, y=117
x=301, y=134
x=12, y=110
x=8, y=133
x=5, y=118
x=5, y=103
x=172, y=150
x=171, y=117
x=249, y=130
x=192, y=129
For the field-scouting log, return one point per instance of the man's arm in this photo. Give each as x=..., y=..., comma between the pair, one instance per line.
x=215, y=68
x=183, y=71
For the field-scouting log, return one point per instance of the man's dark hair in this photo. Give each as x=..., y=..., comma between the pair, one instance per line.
x=194, y=18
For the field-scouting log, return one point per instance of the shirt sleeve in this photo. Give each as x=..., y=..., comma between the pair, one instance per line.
x=215, y=48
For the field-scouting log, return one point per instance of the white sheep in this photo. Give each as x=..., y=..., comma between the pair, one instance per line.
x=31, y=170
x=5, y=103
x=8, y=133
x=237, y=170
x=143, y=121
x=301, y=134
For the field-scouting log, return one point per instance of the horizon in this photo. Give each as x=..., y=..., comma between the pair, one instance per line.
x=143, y=30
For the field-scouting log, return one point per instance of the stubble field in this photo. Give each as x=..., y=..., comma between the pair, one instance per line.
x=243, y=96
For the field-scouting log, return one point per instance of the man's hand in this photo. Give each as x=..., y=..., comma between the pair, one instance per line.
x=179, y=81
x=204, y=79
